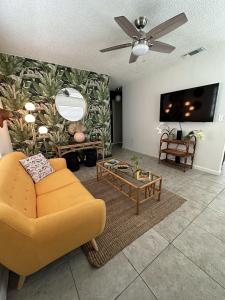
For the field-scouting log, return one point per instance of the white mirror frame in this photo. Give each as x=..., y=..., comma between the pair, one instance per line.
x=71, y=106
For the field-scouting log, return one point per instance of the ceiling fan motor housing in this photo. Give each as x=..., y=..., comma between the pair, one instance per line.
x=141, y=22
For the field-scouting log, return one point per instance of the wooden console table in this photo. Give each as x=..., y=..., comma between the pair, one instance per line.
x=186, y=152
x=62, y=150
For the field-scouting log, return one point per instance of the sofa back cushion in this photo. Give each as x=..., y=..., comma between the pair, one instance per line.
x=16, y=186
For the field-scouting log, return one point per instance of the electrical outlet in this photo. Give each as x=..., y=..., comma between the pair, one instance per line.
x=221, y=118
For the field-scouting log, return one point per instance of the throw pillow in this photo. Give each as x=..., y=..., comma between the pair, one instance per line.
x=37, y=166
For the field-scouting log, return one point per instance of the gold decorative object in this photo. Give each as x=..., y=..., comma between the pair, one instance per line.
x=76, y=127
x=72, y=128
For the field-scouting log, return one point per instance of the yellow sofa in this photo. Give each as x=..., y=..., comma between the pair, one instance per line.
x=43, y=221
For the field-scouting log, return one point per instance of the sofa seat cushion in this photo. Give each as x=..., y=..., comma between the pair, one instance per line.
x=63, y=198
x=55, y=181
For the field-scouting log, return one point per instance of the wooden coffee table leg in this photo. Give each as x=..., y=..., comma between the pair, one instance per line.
x=160, y=189
x=159, y=194
x=129, y=191
x=137, y=208
x=154, y=189
x=97, y=173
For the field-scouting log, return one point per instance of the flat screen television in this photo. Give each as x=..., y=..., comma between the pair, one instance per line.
x=191, y=105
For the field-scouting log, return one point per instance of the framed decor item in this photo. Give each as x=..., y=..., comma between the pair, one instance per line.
x=143, y=175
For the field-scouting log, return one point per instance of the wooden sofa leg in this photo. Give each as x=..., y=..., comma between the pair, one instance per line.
x=94, y=244
x=21, y=282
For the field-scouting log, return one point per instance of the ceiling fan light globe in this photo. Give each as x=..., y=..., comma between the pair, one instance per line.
x=140, y=49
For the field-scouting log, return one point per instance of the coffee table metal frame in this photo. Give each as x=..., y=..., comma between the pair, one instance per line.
x=135, y=190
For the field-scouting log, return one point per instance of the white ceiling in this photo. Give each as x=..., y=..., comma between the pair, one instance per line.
x=71, y=32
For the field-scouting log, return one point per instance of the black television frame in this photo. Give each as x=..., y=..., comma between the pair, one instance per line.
x=186, y=121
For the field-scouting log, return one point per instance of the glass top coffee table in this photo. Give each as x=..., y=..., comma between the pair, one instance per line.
x=124, y=181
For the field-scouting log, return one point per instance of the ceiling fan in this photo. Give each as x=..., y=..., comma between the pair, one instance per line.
x=142, y=42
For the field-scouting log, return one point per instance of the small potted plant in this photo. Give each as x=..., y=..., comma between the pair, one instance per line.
x=164, y=128
x=135, y=163
x=197, y=133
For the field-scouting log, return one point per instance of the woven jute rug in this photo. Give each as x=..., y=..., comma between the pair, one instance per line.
x=123, y=226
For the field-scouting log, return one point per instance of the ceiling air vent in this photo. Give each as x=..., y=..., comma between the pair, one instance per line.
x=194, y=52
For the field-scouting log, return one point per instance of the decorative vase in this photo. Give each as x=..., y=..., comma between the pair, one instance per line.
x=79, y=137
x=136, y=173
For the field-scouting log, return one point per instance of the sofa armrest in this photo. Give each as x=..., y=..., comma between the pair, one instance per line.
x=58, y=163
x=17, y=250
x=16, y=221
x=61, y=232
x=29, y=244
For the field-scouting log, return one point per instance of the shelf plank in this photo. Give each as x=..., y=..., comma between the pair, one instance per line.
x=176, y=152
x=181, y=142
x=179, y=165
x=79, y=145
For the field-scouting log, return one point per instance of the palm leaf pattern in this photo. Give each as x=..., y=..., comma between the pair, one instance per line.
x=49, y=115
x=48, y=84
x=10, y=65
x=25, y=80
x=14, y=95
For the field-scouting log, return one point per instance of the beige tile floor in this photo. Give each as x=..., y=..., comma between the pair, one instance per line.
x=183, y=257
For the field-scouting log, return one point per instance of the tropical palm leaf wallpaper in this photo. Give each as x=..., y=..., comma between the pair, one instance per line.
x=24, y=80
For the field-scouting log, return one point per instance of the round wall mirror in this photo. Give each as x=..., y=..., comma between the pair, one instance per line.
x=70, y=104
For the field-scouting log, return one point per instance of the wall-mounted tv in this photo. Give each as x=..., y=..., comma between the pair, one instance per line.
x=191, y=105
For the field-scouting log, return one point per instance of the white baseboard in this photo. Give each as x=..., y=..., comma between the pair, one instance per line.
x=203, y=169
x=4, y=274
x=130, y=149
x=206, y=170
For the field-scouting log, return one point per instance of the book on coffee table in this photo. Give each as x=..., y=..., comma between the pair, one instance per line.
x=111, y=163
x=143, y=175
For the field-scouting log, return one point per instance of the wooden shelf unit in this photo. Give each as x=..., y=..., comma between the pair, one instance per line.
x=187, y=152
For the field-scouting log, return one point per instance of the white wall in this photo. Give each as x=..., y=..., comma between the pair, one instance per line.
x=141, y=105
x=5, y=143
x=117, y=121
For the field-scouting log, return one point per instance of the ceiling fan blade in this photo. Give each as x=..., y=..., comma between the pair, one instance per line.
x=167, y=26
x=116, y=47
x=162, y=47
x=133, y=58
x=127, y=26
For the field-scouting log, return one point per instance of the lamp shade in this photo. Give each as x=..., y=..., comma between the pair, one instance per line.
x=140, y=48
x=29, y=118
x=29, y=106
x=43, y=130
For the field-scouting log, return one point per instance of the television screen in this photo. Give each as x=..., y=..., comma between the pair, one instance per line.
x=191, y=105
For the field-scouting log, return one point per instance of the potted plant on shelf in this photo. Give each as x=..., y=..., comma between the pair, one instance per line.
x=164, y=128
x=197, y=133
